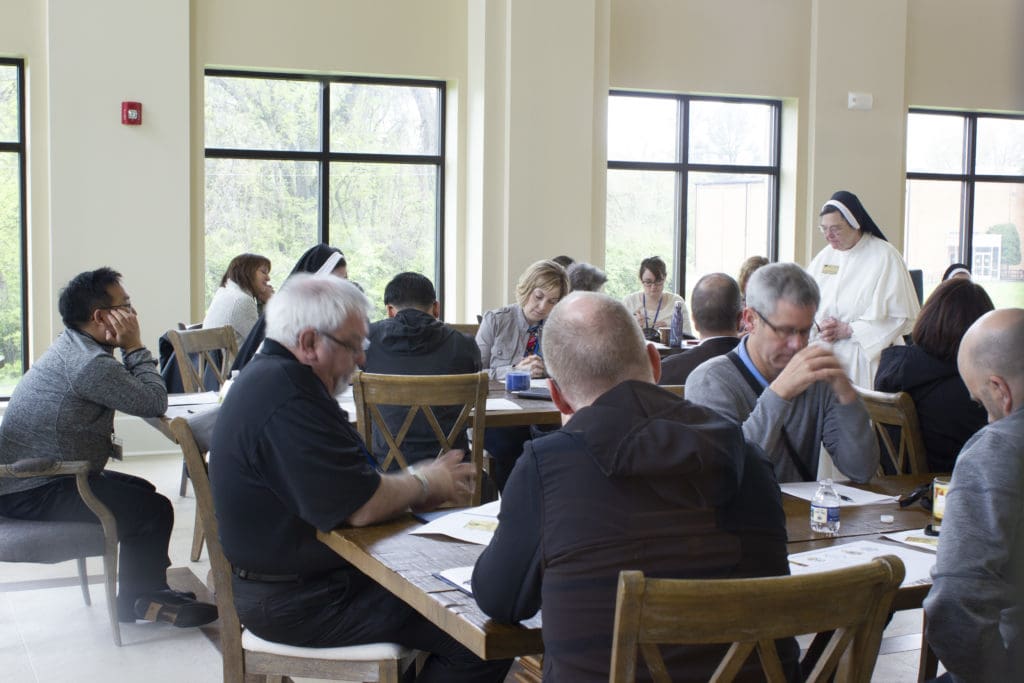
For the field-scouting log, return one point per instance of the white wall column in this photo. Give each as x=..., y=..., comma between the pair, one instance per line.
x=857, y=47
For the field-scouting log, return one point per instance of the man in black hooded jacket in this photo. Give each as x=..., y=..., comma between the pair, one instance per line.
x=412, y=341
x=636, y=478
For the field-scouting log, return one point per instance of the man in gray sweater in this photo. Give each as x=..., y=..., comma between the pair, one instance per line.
x=790, y=397
x=64, y=408
x=975, y=608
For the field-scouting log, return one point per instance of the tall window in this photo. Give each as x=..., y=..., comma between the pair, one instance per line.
x=691, y=179
x=13, y=318
x=292, y=160
x=965, y=198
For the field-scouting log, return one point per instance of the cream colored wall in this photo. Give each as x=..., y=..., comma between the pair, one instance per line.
x=966, y=55
x=119, y=195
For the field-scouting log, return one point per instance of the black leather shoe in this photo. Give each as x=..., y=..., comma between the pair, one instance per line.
x=126, y=607
x=174, y=608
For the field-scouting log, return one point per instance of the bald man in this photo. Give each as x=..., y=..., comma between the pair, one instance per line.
x=975, y=608
x=636, y=478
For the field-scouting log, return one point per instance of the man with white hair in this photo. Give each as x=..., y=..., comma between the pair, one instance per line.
x=636, y=478
x=285, y=461
x=975, y=608
x=790, y=397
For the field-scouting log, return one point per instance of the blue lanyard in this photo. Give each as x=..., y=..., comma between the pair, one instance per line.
x=647, y=323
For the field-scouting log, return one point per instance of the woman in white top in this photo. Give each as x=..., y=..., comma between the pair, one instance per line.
x=868, y=301
x=652, y=306
x=244, y=289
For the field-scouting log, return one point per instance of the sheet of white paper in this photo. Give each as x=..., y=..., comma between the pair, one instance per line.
x=916, y=538
x=807, y=489
x=918, y=564
x=538, y=384
x=473, y=525
x=460, y=577
x=501, y=404
x=203, y=398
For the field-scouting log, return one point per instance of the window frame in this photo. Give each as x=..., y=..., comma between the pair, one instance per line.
x=969, y=178
x=20, y=148
x=683, y=167
x=324, y=156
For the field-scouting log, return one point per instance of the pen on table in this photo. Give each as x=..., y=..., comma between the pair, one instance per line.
x=846, y=498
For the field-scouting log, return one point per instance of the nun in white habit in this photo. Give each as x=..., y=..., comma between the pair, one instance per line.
x=868, y=301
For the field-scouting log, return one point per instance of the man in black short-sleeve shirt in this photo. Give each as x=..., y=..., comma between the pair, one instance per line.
x=285, y=462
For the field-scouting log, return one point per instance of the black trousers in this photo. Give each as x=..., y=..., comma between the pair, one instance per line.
x=505, y=444
x=144, y=522
x=348, y=608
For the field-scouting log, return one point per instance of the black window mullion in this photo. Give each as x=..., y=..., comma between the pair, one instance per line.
x=970, y=159
x=439, y=203
x=324, y=164
x=682, y=194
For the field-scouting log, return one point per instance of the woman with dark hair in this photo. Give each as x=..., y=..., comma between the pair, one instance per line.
x=321, y=259
x=244, y=288
x=868, y=301
x=652, y=306
x=927, y=370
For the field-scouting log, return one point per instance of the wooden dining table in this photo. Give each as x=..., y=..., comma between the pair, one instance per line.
x=406, y=565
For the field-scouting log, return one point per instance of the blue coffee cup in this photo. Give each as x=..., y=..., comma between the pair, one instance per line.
x=517, y=380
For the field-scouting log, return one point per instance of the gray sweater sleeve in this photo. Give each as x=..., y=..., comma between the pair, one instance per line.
x=718, y=385
x=849, y=438
x=974, y=608
x=133, y=387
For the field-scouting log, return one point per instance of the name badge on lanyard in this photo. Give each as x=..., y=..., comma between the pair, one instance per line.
x=830, y=269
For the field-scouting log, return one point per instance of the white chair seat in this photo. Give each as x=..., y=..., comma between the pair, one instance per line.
x=352, y=653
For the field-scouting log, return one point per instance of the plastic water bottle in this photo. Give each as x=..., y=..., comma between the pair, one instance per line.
x=675, y=337
x=825, y=510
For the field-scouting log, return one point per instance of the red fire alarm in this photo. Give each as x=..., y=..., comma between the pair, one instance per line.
x=131, y=113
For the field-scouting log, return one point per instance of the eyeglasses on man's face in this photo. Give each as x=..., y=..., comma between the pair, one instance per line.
x=788, y=332
x=355, y=350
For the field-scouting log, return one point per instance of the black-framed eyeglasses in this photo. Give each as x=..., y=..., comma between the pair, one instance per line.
x=355, y=350
x=124, y=307
x=788, y=332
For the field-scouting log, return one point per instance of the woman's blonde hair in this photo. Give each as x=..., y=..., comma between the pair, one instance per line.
x=544, y=274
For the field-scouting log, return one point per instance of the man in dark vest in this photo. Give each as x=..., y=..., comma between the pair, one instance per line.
x=636, y=478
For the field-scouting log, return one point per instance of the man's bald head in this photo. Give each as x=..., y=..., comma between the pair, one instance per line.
x=716, y=305
x=991, y=362
x=591, y=343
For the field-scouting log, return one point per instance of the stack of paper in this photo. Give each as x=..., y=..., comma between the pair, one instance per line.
x=918, y=564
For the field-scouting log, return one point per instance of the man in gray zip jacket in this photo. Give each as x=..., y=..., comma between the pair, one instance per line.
x=64, y=408
x=790, y=397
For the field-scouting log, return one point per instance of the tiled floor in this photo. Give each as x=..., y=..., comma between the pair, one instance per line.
x=48, y=635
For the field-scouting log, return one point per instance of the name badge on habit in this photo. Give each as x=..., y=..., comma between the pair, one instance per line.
x=830, y=270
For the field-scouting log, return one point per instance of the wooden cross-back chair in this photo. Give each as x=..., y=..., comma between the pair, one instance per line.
x=214, y=350
x=897, y=410
x=750, y=614
x=203, y=352
x=246, y=654
x=421, y=394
